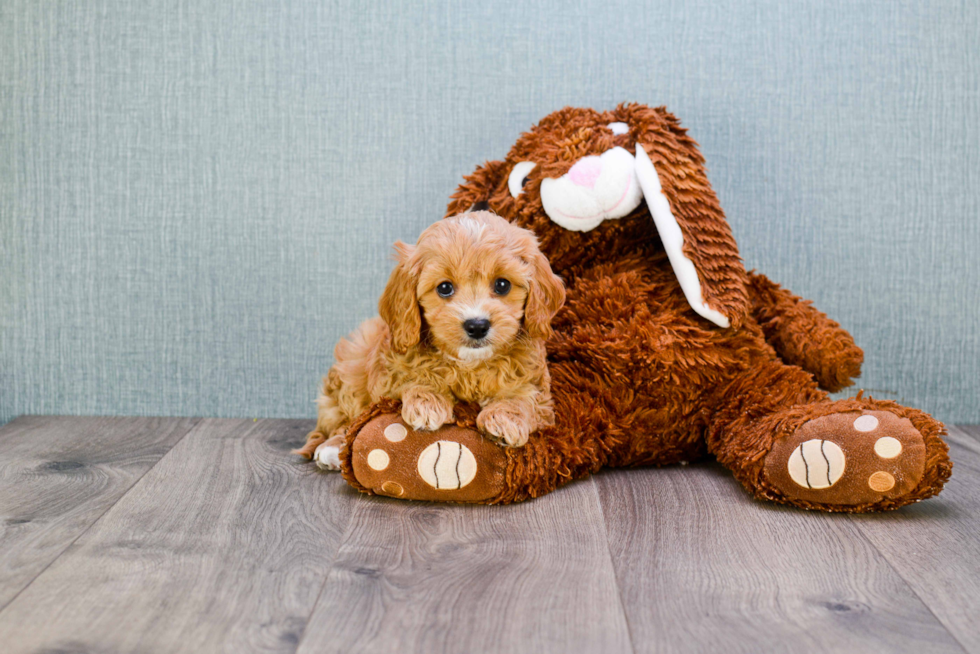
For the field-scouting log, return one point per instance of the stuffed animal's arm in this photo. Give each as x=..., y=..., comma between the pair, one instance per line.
x=804, y=336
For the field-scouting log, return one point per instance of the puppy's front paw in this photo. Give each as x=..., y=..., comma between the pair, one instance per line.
x=327, y=456
x=426, y=411
x=505, y=423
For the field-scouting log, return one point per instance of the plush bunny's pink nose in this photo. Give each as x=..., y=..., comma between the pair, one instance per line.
x=586, y=171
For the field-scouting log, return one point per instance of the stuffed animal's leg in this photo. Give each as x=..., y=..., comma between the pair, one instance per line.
x=785, y=441
x=457, y=463
x=384, y=455
x=803, y=336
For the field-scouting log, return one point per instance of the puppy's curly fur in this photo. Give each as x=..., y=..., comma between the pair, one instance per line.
x=428, y=347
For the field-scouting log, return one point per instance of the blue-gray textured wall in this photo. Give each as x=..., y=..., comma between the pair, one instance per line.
x=198, y=198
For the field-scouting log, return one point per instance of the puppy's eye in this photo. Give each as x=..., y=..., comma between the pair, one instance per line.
x=501, y=286
x=445, y=289
x=519, y=177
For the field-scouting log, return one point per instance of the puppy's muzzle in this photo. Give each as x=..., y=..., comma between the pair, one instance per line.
x=476, y=328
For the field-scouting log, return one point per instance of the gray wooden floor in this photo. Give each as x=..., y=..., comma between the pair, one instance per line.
x=184, y=535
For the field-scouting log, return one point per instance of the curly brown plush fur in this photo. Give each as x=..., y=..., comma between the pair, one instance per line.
x=639, y=378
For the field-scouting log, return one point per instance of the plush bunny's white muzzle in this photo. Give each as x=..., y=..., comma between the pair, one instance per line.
x=595, y=189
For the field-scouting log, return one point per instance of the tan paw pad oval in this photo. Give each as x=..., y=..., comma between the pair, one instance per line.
x=378, y=459
x=392, y=488
x=816, y=464
x=887, y=447
x=395, y=432
x=447, y=465
x=881, y=482
x=866, y=423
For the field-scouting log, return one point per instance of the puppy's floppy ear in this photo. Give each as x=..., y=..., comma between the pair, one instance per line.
x=545, y=296
x=399, y=304
x=475, y=193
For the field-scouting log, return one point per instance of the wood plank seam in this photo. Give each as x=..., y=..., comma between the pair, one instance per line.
x=973, y=444
x=326, y=576
x=908, y=583
x=404, y=571
x=195, y=422
x=224, y=545
x=612, y=564
x=972, y=432
x=845, y=597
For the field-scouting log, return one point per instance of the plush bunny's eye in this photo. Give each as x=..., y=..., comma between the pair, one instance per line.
x=619, y=128
x=518, y=177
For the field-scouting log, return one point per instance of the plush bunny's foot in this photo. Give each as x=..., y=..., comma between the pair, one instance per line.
x=450, y=464
x=848, y=459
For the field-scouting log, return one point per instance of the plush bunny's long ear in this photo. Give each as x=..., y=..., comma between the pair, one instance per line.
x=476, y=190
x=692, y=226
x=399, y=304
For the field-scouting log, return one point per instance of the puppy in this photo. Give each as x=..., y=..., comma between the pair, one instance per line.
x=464, y=317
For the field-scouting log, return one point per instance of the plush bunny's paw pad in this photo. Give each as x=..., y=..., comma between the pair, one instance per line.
x=450, y=464
x=848, y=459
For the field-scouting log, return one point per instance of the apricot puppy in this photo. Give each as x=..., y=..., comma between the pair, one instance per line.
x=464, y=317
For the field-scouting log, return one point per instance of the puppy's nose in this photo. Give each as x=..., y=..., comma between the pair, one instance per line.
x=476, y=327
